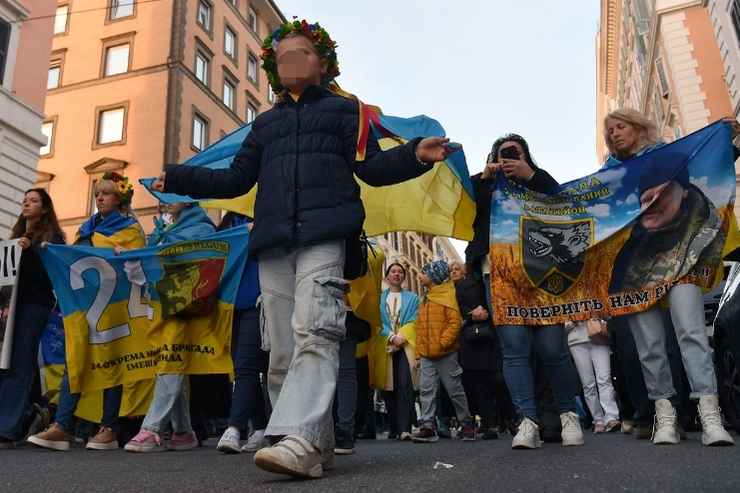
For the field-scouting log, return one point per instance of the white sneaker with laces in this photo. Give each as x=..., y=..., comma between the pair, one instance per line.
x=528, y=435
x=256, y=442
x=229, y=442
x=571, y=434
x=293, y=456
x=665, y=430
x=713, y=432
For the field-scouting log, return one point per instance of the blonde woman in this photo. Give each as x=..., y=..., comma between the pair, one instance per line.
x=629, y=134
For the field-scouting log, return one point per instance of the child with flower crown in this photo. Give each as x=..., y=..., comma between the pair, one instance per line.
x=303, y=156
x=112, y=226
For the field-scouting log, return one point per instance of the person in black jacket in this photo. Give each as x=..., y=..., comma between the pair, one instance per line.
x=301, y=153
x=36, y=225
x=511, y=156
x=479, y=352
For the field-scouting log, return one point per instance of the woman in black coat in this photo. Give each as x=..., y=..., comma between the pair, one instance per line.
x=480, y=354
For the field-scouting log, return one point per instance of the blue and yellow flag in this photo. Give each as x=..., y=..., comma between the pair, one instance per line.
x=616, y=241
x=439, y=202
x=165, y=309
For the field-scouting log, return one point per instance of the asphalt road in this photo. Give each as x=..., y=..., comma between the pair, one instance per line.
x=613, y=462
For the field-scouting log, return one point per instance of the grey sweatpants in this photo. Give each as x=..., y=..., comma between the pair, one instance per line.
x=687, y=314
x=303, y=320
x=447, y=370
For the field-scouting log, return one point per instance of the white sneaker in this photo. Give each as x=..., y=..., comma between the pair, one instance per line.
x=665, y=430
x=713, y=433
x=293, y=456
x=256, y=441
x=229, y=442
x=528, y=435
x=571, y=433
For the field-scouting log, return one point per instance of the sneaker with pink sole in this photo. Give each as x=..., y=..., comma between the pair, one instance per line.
x=183, y=441
x=145, y=441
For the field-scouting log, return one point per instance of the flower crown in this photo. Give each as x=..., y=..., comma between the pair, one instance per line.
x=124, y=188
x=323, y=43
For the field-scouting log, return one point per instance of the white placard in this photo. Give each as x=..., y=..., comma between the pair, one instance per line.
x=10, y=267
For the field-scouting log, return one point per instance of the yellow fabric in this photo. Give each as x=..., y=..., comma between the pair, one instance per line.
x=443, y=294
x=364, y=292
x=733, y=237
x=379, y=359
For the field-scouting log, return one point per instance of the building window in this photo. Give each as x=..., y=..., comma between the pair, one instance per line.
x=4, y=43
x=252, y=19
x=251, y=112
x=61, y=19
x=229, y=92
x=200, y=132
x=116, y=59
x=735, y=15
x=120, y=9
x=111, y=126
x=47, y=128
x=230, y=43
x=252, y=68
x=202, y=67
x=662, y=77
x=55, y=75
x=659, y=115
x=204, y=15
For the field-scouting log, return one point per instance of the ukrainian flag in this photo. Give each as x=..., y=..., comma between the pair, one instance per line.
x=440, y=202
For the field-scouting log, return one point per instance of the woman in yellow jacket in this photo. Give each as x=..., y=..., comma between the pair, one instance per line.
x=438, y=327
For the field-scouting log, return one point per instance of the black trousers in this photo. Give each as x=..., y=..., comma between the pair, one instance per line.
x=480, y=389
x=400, y=401
x=365, y=409
x=628, y=373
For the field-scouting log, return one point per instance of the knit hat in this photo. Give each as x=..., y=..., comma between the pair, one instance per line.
x=437, y=271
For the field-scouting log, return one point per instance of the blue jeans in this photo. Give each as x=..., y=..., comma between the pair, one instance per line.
x=68, y=404
x=247, y=400
x=170, y=405
x=15, y=383
x=551, y=346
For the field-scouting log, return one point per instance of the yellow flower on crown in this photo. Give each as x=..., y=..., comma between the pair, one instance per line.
x=124, y=188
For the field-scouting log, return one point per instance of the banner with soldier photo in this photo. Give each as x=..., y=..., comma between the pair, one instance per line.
x=165, y=309
x=614, y=242
x=10, y=267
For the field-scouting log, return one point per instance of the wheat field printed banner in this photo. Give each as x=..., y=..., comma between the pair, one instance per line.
x=614, y=242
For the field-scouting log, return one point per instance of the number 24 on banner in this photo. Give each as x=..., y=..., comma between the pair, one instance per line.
x=108, y=278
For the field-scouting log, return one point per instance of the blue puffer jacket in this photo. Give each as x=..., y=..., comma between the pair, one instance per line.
x=302, y=155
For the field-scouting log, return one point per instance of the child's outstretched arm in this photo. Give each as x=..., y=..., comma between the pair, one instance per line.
x=227, y=183
x=401, y=163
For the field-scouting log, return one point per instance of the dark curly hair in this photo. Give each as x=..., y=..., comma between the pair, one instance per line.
x=519, y=140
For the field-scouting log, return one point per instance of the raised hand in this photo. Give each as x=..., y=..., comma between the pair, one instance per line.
x=433, y=149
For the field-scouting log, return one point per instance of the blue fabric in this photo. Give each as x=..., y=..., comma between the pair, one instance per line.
x=193, y=224
x=15, y=383
x=612, y=160
x=249, y=287
x=108, y=225
x=52, y=340
x=409, y=311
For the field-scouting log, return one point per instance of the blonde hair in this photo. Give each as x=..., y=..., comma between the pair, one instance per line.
x=109, y=186
x=645, y=126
